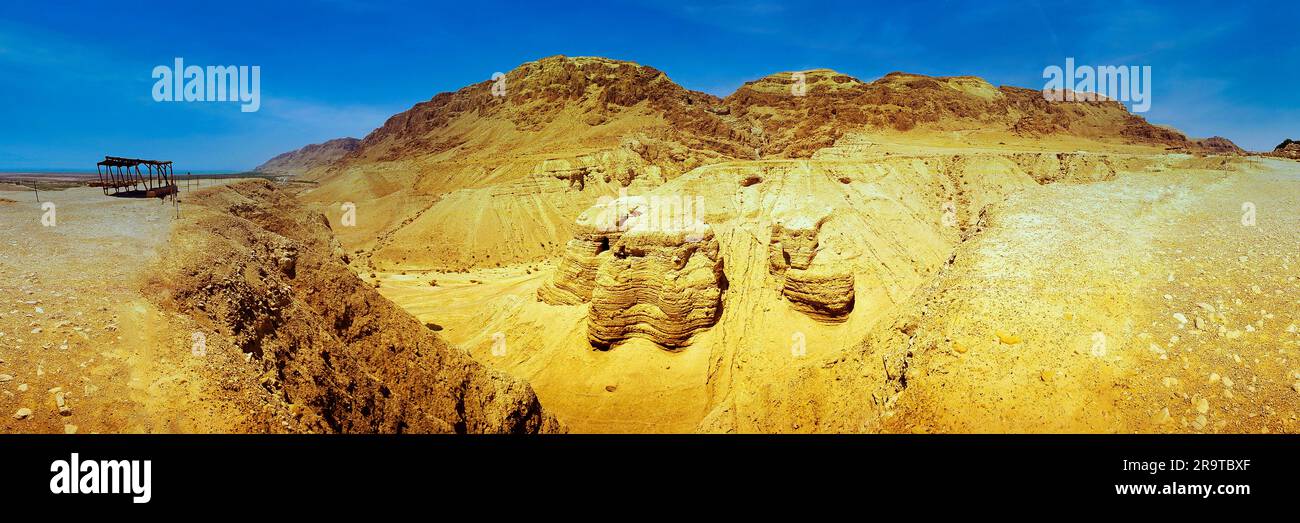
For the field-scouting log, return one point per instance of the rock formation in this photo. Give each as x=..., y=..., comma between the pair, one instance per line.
x=832, y=105
x=813, y=283
x=833, y=204
x=1219, y=145
x=613, y=99
x=310, y=156
x=1288, y=149
x=267, y=276
x=657, y=286
x=649, y=268
x=575, y=277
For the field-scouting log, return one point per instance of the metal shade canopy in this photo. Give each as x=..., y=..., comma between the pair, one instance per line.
x=123, y=177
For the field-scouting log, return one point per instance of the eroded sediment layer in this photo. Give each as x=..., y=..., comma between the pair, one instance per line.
x=814, y=284
x=656, y=286
x=268, y=278
x=648, y=268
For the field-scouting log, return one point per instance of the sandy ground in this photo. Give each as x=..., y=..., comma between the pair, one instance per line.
x=1238, y=283
x=74, y=324
x=637, y=389
x=1142, y=304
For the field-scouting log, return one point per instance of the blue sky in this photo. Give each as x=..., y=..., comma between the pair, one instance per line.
x=75, y=78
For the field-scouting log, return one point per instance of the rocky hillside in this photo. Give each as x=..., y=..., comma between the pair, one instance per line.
x=552, y=96
x=1219, y=145
x=833, y=104
x=451, y=183
x=559, y=102
x=267, y=278
x=1288, y=149
x=551, y=108
x=304, y=159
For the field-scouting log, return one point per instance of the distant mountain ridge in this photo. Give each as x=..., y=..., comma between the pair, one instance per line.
x=1220, y=145
x=560, y=102
x=302, y=160
x=1288, y=149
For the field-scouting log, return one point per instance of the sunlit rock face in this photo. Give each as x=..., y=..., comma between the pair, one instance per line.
x=815, y=285
x=576, y=274
x=649, y=268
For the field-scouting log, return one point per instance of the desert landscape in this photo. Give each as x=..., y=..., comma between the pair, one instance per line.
x=593, y=248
